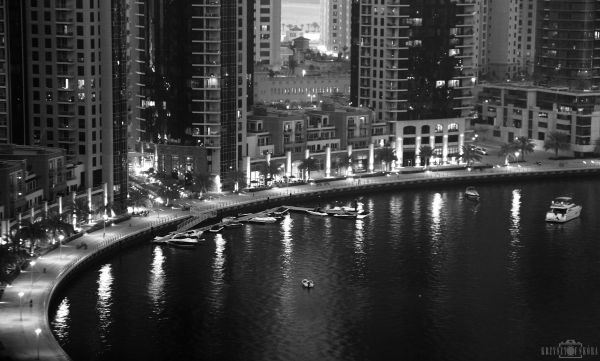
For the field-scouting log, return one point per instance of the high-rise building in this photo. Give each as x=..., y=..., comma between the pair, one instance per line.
x=335, y=25
x=567, y=39
x=200, y=57
x=74, y=54
x=506, y=38
x=267, y=32
x=414, y=63
x=5, y=129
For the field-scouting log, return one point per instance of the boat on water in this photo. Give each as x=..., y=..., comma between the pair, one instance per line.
x=306, y=283
x=346, y=215
x=471, y=193
x=316, y=212
x=263, y=220
x=234, y=225
x=191, y=234
x=181, y=240
x=563, y=209
x=163, y=239
x=229, y=219
x=216, y=228
x=281, y=211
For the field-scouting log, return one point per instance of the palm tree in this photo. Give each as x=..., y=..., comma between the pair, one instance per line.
x=469, y=156
x=426, y=153
x=315, y=26
x=386, y=155
x=557, y=141
x=55, y=225
x=34, y=232
x=524, y=145
x=308, y=165
x=506, y=150
x=202, y=182
x=239, y=177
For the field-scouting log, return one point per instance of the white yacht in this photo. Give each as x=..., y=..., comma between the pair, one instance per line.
x=562, y=209
x=471, y=193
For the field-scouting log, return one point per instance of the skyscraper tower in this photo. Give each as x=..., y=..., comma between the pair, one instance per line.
x=567, y=39
x=335, y=25
x=74, y=56
x=267, y=32
x=506, y=38
x=414, y=59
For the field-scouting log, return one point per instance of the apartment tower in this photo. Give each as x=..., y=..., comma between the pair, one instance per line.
x=267, y=32
x=335, y=25
x=75, y=93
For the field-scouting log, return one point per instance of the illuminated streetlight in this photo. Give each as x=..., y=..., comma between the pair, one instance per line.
x=104, y=218
x=32, y=263
x=37, y=335
x=60, y=239
x=21, y=294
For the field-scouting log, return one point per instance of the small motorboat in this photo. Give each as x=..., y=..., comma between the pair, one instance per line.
x=361, y=215
x=281, y=211
x=316, y=212
x=163, y=239
x=181, y=240
x=216, y=228
x=234, y=225
x=192, y=233
x=306, y=283
x=346, y=215
x=563, y=209
x=229, y=219
x=263, y=220
x=471, y=193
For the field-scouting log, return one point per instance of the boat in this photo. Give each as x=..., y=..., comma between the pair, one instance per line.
x=316, y=212
x=181, y=240
x=471, y=193
x=361, y=215
x=234, y=225
x=306, y=283
x=563, y=209
x=263, y=220
x=281, y=211
x=229, y=219
x=216, y=228
x=347, y=215
x=163, y=239
x=192, y=233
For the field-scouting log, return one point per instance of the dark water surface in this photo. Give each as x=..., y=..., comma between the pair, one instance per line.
x=428, y=275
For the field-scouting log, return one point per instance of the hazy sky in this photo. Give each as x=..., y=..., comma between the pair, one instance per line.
x=300, y=11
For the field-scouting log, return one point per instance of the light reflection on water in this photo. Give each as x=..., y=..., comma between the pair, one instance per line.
x=104, y=303
x=286, y=233
x=359, y=248
x=60, y=323
x=157, y=280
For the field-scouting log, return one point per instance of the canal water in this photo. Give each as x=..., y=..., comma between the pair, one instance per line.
x=428, y=275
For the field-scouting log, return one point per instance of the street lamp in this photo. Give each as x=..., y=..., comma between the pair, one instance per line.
x=32, y=263
x=104, y=218
x=37, y=335
x=21, y=294
x=60, y=239
x=517, y=156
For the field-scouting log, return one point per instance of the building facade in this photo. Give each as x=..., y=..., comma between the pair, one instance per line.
x=296, y=89
x=267, y=32
x=70, y=48
x=335, y=25
x=414, y=63
x=508, y=111
x=567, y=43
x=506, y=38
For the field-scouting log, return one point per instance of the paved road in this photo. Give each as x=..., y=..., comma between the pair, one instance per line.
x=17, y=333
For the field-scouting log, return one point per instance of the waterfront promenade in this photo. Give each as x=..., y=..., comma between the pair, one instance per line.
x=19, y=319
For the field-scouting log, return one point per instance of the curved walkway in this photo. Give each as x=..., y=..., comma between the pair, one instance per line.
x=19, y=320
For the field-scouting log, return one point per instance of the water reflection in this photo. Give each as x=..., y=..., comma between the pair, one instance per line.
x=359, y=248
x=60, y=324
x=218, y=276
x=436, y=210
x=286, y=232
x=515, y=227
x=157, y=279
x=105, y=280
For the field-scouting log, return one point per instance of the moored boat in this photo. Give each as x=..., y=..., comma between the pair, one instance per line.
x=563, y=209
x=316, y=212
x=216, y=228
x=263, y=220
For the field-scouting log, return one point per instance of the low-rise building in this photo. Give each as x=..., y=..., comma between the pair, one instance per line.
x=510, y=110
x=298, y=89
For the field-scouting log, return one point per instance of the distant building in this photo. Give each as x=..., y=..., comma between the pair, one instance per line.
x=293, y=33
x=267, y=32
x=506, y=32
x=301, y=44
x=298, y=89
x=335, y=25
